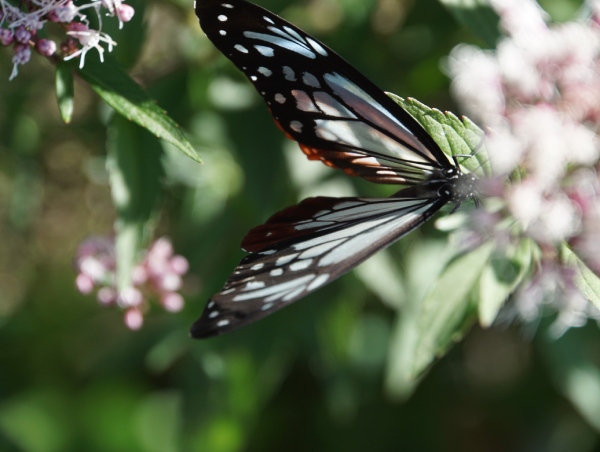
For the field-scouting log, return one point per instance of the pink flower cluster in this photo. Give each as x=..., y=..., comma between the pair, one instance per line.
x=159, y=274
x=538, y=97
x=21, y=24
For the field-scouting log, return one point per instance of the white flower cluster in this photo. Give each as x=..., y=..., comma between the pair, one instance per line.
x=538, y=97
x=21, y=24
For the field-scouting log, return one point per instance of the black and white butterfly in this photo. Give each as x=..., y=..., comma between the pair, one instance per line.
x=339, y=117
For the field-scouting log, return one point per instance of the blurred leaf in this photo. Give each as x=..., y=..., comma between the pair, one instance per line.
x=64, y=90
x=35, y=421
x=502, y=274
x=478, y=16
x=220, y=434
x=135, y=169
x=455, y=137
x=159, y=422
x=444, y=311
x=571, y=361
x=586, y=280
x=128, y=98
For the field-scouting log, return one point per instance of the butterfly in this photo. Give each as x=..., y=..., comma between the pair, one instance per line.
x=341, y=118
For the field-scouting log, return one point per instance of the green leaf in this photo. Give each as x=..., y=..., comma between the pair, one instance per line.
x=128, y=98
x=64, y=91
x=574, y=370
x=135, y=169
x=478, y=16
x=500, y=277
x=586, y=280
x=444, y=315
x=455, y=137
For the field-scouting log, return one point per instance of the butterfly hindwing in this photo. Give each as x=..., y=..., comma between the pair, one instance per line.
x=304, y=247
x=318, y=99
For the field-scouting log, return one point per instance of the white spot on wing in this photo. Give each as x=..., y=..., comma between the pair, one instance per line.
x=257, y=266
x=318, y=282
x=285, y=259
x=222, y=18
x=240, y=48
x=300, y=265
x=268, y=252
x=293, y=294
x=253, y=78
x=213, y=314
x=294, y=33
x=318, y=47
x=296, y=126
x=221, y=323
x=222, y=32
x=227, y=5
x=319, y=250
x=265, y=51
x=268, y=19
x=280, y=98
x=275, y=291
x=253, y=285
x=288, y=74
x=281, y=42
x=276, y=272
x=304, y=102
x=310, y=80
x=331, y=107
x=210, y=305
x=265, y=71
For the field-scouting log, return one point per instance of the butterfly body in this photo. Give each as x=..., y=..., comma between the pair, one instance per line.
x=341, y=118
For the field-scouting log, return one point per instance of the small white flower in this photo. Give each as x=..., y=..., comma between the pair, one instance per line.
x=90, y=39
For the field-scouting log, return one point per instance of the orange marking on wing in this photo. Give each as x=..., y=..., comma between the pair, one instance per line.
x=311, y=153
x=280, y=127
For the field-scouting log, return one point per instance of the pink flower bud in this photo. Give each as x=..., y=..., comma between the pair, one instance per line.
x=134, y=319
x=172, y=302
x=139, y=275
x=170, y=282
x=84, y=283
x=161, y=249
x=45, y=47
x=125, y=12
x=179, y=265
x=107, y=296
x=131, y=297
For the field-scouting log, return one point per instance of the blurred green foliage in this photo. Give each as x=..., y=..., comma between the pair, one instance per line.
x=328, y=373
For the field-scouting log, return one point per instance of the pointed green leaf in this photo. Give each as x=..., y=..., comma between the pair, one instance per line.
x=128, y=98
x=586, y=280
x=64, y=91
x=500, y=277
x=455, y=137
x=444, y=314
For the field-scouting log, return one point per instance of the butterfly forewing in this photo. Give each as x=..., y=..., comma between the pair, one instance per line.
x=318, y=99
x=294, y=254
